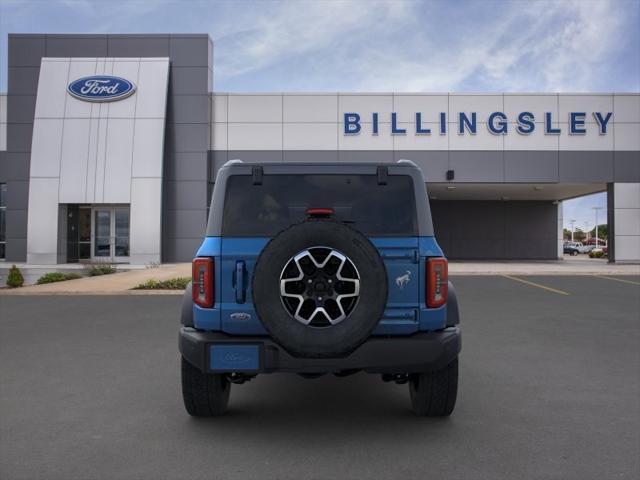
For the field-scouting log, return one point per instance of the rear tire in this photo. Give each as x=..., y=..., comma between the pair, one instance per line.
x=433, y=394
x=204, y=394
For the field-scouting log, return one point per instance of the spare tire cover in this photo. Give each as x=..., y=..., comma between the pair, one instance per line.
x=319, y=288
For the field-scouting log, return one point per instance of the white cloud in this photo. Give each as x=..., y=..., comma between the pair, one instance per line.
x=404, y=46
x=295, y=29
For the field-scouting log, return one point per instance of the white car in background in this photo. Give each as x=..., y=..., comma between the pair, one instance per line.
x=578, y=246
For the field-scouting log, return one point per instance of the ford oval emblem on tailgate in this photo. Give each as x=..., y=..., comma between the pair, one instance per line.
x=242, y=316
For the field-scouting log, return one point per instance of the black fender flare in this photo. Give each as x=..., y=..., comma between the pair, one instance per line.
x=453, y=313
x=186, y=312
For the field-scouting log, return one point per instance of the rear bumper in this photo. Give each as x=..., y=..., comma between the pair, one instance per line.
x=420, y=352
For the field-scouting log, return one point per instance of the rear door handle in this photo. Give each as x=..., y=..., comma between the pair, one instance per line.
x=241, y=288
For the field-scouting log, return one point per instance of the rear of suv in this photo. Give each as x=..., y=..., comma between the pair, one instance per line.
x=320, y=269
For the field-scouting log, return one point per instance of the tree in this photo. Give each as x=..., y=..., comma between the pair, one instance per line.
x=566, y=234
x=603, y=231
x=579, y=235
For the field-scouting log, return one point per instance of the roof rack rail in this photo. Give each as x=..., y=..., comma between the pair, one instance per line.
x=232, y=162
x=407, y=162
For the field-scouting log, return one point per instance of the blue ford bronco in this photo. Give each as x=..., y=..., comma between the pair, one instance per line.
x=317, y=269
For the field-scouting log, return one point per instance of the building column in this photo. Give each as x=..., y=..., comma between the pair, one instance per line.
x=623, y=214
x=560, y=236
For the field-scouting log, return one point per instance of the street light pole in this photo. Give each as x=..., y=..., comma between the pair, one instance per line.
x=572, y=222
x=596, y=209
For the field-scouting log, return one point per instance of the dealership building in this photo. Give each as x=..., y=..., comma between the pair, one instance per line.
x=110, y=144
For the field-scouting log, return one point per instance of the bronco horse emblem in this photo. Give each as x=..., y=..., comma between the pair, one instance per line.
x=402, y=280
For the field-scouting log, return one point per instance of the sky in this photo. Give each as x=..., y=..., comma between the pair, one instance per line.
x=378, y=45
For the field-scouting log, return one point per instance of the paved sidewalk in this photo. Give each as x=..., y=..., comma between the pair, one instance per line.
x=116, y=283
x=580, y=265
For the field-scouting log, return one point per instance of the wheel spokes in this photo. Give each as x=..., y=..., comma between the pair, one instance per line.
x=313, y=286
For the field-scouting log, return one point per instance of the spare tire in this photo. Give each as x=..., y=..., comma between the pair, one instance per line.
x=319, y=288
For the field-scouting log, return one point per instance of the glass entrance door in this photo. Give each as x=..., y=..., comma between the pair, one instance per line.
x=111, y=234
x=78, y=233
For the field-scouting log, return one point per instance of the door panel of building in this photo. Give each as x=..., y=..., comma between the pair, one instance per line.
x=111, y=234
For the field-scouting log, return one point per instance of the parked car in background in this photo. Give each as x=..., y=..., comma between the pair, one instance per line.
x=572, y=248
x=599, y=252
x=592, y=241
x=586, y=248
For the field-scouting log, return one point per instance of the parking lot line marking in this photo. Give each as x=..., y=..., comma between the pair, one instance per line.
x=533, y=284
x=618, y=279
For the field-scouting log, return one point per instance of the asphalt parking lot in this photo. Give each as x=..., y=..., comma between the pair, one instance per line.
x=549, y=388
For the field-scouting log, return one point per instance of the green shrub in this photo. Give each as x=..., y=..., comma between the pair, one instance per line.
x=596, y=254
x=52, y=277
x=15, y=278
x=179, y=283
x=95, y=269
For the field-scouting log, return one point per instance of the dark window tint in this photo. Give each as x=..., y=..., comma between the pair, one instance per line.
x=282, y=200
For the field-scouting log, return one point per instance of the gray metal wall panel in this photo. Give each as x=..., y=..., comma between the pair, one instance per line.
x=16, y=248
x=477, y=166
x=180, y=221
x=626, y=167
x=22, y=108
x=26, y=50
x=495, y=230
x=77, y=46
x=530, y=230
x=17, y=195
x=316, y=156
x=586, y=167
x=189, y=81
x=531, y=166
x=188, y=137
x=187, y=159
x=254, y=156
x=137, y=46
x=17, y=220
x=185, y=166
x=23, y=80
x=186, y=195
x=365, y=156
x=4, y=170
x=189, y=108
x=19, y=138
x=611, y=223
x=181, y=249
x=16, y=167
x=189, y=51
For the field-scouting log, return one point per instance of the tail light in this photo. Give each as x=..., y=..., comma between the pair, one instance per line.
x=437, y=282
x=202, y=281
x=320, y=212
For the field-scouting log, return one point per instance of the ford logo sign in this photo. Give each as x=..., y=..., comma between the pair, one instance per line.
x=101, y=88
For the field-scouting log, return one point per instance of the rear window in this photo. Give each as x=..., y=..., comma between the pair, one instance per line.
x=282, y=200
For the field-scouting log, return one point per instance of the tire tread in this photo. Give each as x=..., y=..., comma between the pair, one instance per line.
x=204, y=394
x=433, y=394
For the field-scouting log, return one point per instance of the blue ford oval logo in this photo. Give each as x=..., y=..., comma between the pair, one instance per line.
x=101, y=88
